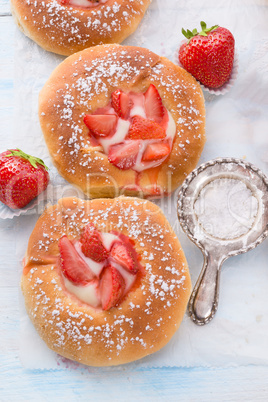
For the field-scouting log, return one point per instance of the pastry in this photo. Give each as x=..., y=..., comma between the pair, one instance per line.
x=105, y=281
x=68, y=26
x=122, y=120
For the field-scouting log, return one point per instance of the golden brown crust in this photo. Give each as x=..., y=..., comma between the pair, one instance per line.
x=65, y=30
x=149, y=315
x=83, y=83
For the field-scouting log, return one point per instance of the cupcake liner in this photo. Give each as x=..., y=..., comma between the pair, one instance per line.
x=9, y=213
x=56, y=189
x=214, y=91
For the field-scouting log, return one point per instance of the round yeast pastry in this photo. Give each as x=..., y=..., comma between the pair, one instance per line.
x=136, y=95
x=147, y=315
x=68, y=26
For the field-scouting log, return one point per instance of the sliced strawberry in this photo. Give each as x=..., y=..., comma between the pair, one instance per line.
x=104, y=110
x=125, y=255
x=124, y=155
x=93, y=140
x=145, y=129
x=91, y=244
x=112, y=287
x=73, y=266
x=121, y=103
x=154, y=108
x=101, y=125
x=124, y=238
x=156, y=151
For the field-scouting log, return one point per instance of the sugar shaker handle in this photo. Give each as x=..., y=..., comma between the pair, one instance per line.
x=204, y=299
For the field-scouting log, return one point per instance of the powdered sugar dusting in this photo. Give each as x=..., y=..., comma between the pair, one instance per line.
x=133, y=322
x=80, y=23
x=94, y=76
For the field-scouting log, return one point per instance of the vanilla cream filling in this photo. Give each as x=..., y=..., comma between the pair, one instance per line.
x=88, y=294
x=118, y=137
x=108, y=240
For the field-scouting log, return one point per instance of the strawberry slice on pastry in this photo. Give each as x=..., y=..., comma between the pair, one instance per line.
x=124, y=155
x=121, y=103
x=72, y=265
x=153, y=105
x=91, y=244
x=125, y=256
x=145, y=129
x=112, y=287
x=101, y=125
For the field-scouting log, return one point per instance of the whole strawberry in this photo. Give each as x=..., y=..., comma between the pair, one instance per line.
x=22, y=178
x=208, y=55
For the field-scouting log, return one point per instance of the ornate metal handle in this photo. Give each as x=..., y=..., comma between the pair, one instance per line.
x=203, y=302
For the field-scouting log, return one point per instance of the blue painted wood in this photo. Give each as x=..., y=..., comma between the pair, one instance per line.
x=83, y=384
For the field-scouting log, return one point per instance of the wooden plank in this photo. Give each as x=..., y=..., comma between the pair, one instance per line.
x=168, y=384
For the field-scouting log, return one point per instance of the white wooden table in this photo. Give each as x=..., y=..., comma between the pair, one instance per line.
x=248, y=383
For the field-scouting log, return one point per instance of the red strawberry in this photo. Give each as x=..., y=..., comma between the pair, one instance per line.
x=154, y=108
x=156, y=151
x=22, y=178
x=124, y=155
x=121, y=103
x=125, y=255
x=124, y=238
x=103, y=110
x=208, y=55
x=112, y=287
x=145, y=129
x=91, y=244
x=72, y=265
x=101, y=125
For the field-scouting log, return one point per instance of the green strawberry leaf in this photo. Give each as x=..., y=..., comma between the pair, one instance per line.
x=212, y=28
x=203, y=25
x=204, y=31
x=32, y=159
x=188, y=34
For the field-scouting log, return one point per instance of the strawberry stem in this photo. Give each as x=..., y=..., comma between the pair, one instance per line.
x=190, y=34
x=32, y=159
